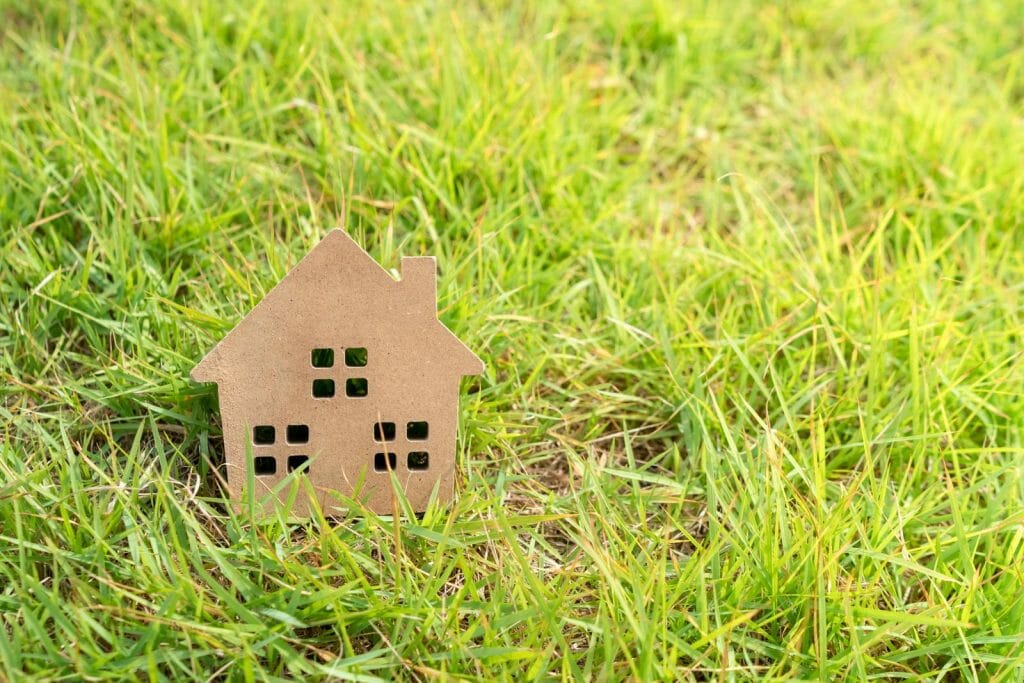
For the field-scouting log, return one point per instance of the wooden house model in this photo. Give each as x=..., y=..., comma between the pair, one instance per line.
x=344, y=376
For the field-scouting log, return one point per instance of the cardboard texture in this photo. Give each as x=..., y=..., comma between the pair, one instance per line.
x=343, y=375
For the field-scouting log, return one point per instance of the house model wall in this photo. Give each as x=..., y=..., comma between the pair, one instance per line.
x=342, y=375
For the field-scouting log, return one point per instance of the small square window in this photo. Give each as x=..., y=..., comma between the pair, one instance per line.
x=417, y=431
x=323, y=388
x=264, y=464
x=297, y=433
x=382, y=462
x=384, y=431
x=322, y=358
x=419, y=460
x=263, y=435
x=356, y=357
x=298, y=461
x=356, y=387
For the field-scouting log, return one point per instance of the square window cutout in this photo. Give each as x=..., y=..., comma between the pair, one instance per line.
x=417, y=431
x=356, y=357
x=355, y=387
x=384, y=431
x=298, y=461
x=322, y=358
x=264, y=464
x=419, y=460
x=263, y=435
x=298, y=433
x=323, y=388
x=382, y=462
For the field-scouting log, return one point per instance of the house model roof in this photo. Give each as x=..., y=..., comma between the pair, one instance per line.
x=344, y=378
x=338, y=284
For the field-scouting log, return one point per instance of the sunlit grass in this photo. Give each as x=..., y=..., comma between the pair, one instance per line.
x=747, y=281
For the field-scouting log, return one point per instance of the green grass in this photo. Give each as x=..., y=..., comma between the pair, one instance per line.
x=747, y=281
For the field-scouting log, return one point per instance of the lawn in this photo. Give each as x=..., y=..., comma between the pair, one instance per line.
x=748, y=282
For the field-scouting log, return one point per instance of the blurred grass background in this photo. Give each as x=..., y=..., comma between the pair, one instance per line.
x=747, y=280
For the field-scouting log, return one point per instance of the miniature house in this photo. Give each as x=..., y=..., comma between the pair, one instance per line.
x=344, y=376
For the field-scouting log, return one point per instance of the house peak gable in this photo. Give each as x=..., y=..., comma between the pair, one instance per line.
x=338, y=266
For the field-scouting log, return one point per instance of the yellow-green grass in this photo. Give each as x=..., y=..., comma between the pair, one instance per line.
x=747, y=280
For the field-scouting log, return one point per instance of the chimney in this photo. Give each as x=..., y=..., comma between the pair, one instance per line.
x=419, y=283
